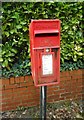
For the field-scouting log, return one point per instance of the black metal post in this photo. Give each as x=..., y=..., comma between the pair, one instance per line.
x=43, y=91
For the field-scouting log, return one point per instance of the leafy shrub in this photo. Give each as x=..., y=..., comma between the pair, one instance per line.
x=72, y=66
x=15, y=28
x=22, y=68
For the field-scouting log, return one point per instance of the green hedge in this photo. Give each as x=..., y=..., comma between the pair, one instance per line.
x=22, y=68
x=16, y=18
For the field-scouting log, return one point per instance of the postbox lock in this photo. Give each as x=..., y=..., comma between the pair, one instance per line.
x=47, y=50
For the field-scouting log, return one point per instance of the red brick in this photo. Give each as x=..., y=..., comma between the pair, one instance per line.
x=27, y=78
x=82, y=77
x=74, y=83
x=79, y=88
x=74, y=72
x=83, y=96
x=50, y=100
x=24, y=97
x=0, y=99
x=61, y=98
x=68, y=78
x=57, y=95
x=50, y=97
x=0, y=82
x=79, y=77
x=73, y=94
x=22, y=79
x=80, y=80
x=70, y=73
x=68, y=82
x=31, y=83
x=17, y=80
x=62, y=91
x=66, y=94
x=2, y=87
x=33, y=104
x=0, y=108
x=56, y=99
x=50, y=88
x=10, y=108
x=78, y=85
x=22, y=91
x=37, y=90
x=49, y=92
x=56, y=88
x=56, y=92
x=31, y=88
x=12, y=86
x=19, y=89
x=7, y=100
x=80, y=71
x=17, y=94
x=68, y=97
x=5, y=81
x=79, y=95
x=24, y=104
x=68, y=88
x=13, y=103
x=73, y=89
x=25, y=84
x=6, y=92
x=12, y=80
x=67, y=74
x=4, y=108
x=29, y=100
x=61, y=74
x=82, y=89
x=63, y=79
x=62, y=83
x=6, y=97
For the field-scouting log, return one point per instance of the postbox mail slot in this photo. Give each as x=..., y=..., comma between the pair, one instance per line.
x=40, y=33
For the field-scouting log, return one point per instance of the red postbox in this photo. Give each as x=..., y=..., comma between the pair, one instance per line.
x=45, y=51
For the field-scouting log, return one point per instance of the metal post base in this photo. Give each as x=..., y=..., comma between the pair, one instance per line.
x=43, y=90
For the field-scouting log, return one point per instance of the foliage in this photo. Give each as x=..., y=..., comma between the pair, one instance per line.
x=72, y=66
x=22, y=68
x=15, y=28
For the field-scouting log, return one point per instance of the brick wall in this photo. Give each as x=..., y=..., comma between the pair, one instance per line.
x=20, y=91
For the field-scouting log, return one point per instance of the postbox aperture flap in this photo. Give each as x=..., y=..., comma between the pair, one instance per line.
x=46, y=32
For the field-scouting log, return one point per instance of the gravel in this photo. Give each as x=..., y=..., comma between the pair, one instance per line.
x=56, y=111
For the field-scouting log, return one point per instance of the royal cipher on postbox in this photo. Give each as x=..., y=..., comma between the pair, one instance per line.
x=45, y=51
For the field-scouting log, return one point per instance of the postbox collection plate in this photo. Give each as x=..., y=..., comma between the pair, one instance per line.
x=47, y=60
x=47, y=64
